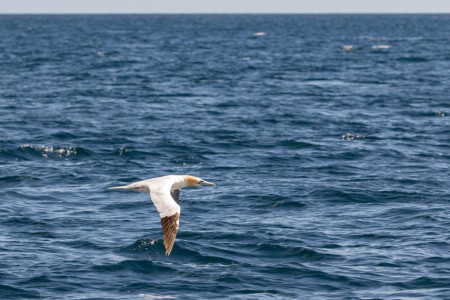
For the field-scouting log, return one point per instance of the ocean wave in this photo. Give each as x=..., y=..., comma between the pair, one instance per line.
x=142, y=246
x=424, y=282
x=297, y=252
x=82, y=244
x=28, y=152
x=25, y=221
x=296, y=144
x=37, y=280
x=331, y=157
x=11, y=292
x=271, y=201
x=364, y=196
x=126, y=205
x=182, y=252
x=135, y=266
x=381, y=47
x=155, y=296
x=130, y=152
x=27, y=227
x=17, y=180
x=413, y=59
x=352, y=136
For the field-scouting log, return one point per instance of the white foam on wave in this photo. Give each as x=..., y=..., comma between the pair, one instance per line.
x=348, y=47
x=47, y=151
x=381, y=46
x=261, y=33
x=123, y=150
x=146, y=244
x=351, y=136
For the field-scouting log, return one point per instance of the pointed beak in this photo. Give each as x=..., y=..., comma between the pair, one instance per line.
x=206, y=183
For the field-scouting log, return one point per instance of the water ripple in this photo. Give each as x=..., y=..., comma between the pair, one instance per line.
x=327, y=136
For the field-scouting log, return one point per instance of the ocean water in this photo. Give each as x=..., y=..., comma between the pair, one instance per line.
x=328, y=137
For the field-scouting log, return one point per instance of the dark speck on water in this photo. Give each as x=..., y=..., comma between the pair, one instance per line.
x=327, y=136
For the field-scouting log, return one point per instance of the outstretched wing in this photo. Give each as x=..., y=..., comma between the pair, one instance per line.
x=169, y=211
x=170, y=229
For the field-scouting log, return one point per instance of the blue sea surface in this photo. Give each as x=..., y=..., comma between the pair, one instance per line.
x=328, y=137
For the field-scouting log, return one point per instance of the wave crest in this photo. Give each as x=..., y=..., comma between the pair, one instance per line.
x=28, y=151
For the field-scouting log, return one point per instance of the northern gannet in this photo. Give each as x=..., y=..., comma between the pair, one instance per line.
x=165, y=194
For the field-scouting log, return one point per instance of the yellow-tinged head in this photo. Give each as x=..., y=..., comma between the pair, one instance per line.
x=195, y=181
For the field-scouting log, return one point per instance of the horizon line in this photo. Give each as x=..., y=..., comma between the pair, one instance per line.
x=226, y=13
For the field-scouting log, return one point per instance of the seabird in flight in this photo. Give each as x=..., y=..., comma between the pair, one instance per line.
x=165, y=194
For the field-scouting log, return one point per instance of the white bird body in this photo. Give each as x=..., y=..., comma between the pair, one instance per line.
x=165, y=192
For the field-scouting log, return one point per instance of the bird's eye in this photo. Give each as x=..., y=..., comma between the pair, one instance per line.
x=201, y=181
